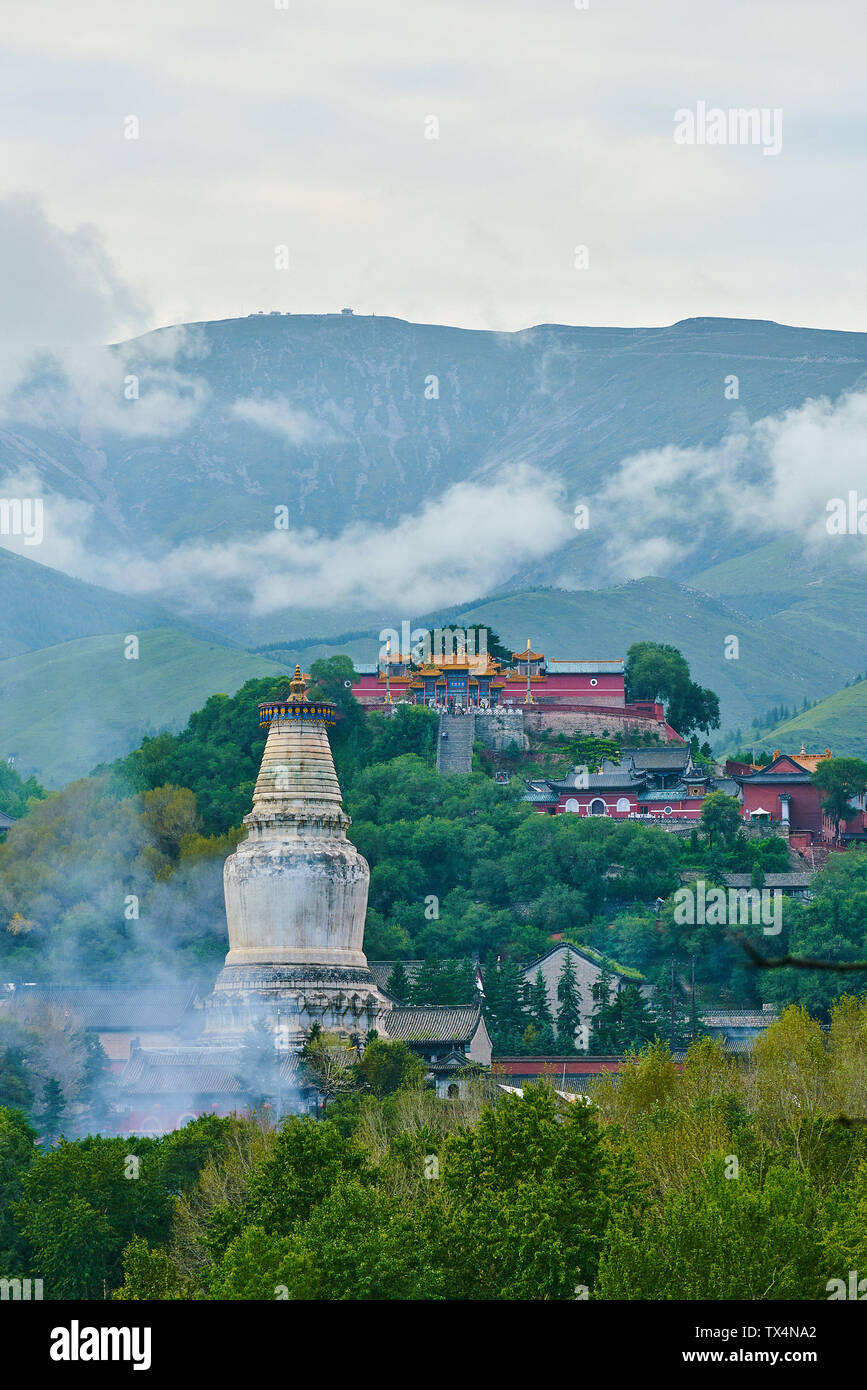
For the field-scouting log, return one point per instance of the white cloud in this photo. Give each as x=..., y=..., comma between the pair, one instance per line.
x=58, y=285
x=767, y=479
x=142, y=389
x=464, y=543
x=278, y=417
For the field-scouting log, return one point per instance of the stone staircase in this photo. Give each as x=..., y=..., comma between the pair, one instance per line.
x=817, y=856
x=455, y=754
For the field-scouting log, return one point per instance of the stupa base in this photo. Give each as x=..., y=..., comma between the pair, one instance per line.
x=289, y=999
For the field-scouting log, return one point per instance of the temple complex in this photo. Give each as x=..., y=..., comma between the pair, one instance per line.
x=564, y=696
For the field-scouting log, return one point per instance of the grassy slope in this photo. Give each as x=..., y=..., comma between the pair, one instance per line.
x=838, y=722
x=604, y=622
x=68, y=707
x=40, y=607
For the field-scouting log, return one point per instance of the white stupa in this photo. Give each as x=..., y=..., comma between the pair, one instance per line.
x=296, y=894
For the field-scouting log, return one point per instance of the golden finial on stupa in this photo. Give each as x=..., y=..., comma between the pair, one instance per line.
x=298, y=685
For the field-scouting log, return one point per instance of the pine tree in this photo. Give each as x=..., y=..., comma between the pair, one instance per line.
x=398, y=982
x=428, y=985
x=15, y=1090
x=540, y=1015
x=622, y=1023
x=672, y=1010
x=504, y=1010
x=569, y=1011
x=538, y=1008
x=458, y=983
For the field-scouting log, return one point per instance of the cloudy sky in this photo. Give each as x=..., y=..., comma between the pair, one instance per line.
x=306, y=127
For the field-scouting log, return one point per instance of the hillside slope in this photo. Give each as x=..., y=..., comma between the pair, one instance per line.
x=69, y=707
x=40, y=607
x=838, y=722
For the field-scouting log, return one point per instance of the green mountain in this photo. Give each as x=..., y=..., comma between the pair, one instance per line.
x=330, y=415
x=838, y=722
x=68, y=707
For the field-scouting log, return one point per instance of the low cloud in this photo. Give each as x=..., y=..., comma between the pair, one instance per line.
x=770, y=478
x=145, y=389
x=59, y=285
x=61, y=299
x=465, y=543
x=278, y=417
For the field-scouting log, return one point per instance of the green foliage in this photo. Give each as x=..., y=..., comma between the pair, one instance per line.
x=504, y=1007
x=842, y=779
x=17, y=1152
x=386, y=1067
x=71, y=869
x=721, y=1238
x=444, y=982
x=621, y=1021
x=832, y=926
x=216, y=756
x=724, y=1180
x=52, y=1110
x=78, y=1210
x=398, y=982
x=655, y=671
x=569, y=1006
x=15, y=1088
x=531, y=1191
x=149, y=1275
x=16, y=794
x=720, y=817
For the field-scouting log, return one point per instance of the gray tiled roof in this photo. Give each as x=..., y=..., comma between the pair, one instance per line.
x=585, y=668
x=452, y=1062
x=727, y=785
x=676, y=793
x=587, y=953
x=110, y=1007
x=6, y=821
x=599, y=781
x=657, y=759
x=794, y=878
x=196, y=1070
x=727, y=1018
x=188, y=1070
x=536, y=794
x=435, y=1023
x=381, y=970
x=774, y=779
